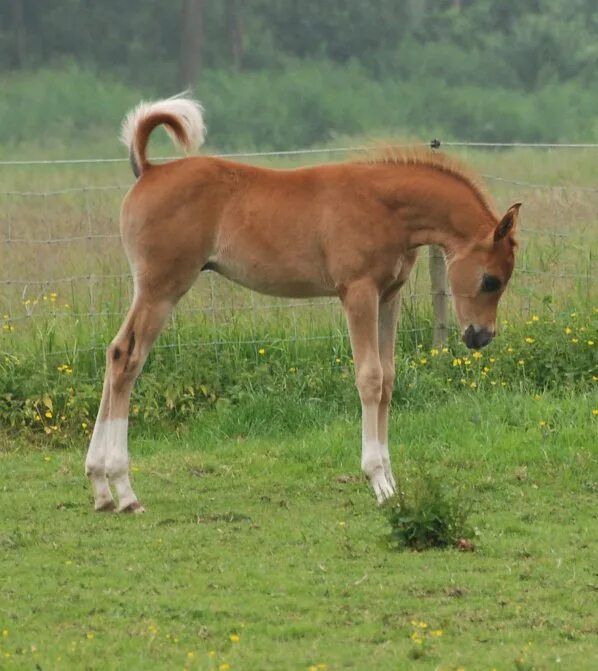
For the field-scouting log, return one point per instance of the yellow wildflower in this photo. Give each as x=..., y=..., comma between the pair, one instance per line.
x=436, y=632
x=457, y=362
x=423, y=361
x=90, y=635
x=473, y=385
x=261, y=350
x=224, y=666
x=434, y=351
x=575, y=340
x=594, y=411
x=445, y=350
x=535, y=318
x=590, y=343
x=521, y=362
x=529, y=340
x=542, y=423
x=477, y=355
x=568, y=331
x=235, y=638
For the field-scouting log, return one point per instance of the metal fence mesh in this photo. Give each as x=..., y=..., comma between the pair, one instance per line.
x=62, y=268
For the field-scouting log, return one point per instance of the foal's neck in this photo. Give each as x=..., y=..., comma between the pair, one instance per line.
x=447, y=213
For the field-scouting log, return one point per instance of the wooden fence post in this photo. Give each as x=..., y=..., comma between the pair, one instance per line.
x=440, y=302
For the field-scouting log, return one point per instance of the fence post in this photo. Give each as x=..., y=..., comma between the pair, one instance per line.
x=440, y=303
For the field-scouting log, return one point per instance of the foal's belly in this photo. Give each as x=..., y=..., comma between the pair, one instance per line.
x=272, y=281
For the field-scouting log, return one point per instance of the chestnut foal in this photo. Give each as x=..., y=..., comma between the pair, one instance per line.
x=349, y=230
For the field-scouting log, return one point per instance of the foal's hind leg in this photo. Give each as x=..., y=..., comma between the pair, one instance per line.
x=108, y=455
x=361, y=306
x=95, y=462
x=387, y=330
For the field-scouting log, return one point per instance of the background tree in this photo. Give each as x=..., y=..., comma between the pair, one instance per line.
x=192, y=35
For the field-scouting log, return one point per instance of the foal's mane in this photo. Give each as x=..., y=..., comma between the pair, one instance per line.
x=422, y=156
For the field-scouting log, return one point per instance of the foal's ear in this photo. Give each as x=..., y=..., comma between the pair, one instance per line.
x=507, y=223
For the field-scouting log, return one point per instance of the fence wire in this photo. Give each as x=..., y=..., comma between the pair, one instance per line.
x=62, y=269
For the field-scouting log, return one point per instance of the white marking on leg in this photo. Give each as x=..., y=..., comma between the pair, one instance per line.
x=95, y=467
x=117, y=462
x=387, y=467
x=371, y=454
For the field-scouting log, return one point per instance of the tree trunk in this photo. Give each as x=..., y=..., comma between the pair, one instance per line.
x=18, y=27
x=191, y=41
x=234, y=25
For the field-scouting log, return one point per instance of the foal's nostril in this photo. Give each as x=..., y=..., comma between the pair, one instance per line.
x=483, y=338
x=476, y=339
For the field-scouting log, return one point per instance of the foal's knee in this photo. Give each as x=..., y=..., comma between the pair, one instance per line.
x=388, y=383
x=370, y=384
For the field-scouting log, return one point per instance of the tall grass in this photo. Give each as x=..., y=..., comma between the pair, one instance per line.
x=62, y=302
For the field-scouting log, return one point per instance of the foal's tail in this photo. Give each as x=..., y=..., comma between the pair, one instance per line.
x=181, y=116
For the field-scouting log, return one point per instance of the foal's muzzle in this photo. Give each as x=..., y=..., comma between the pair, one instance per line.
x=477, y=339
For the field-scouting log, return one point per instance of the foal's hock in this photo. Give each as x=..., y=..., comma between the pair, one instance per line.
x=350, y=229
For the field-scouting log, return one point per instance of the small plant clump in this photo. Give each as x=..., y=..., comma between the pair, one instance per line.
x=433, y=515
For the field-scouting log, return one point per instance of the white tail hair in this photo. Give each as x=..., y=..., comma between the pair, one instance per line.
x=182, y=117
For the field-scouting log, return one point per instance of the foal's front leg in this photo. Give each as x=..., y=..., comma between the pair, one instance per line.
x=387, y=330
x=361, y=307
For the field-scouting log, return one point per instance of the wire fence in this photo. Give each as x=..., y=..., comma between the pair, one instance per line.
x=62, y=270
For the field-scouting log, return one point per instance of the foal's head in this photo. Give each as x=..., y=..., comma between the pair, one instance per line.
x=478, y=277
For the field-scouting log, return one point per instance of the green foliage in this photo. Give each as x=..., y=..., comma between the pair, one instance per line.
x=432, y=514
x=42, y=392
x=62, y=104
x=303, y=103
x=290, y=74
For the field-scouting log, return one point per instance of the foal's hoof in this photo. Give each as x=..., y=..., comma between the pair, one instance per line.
x=383, y=489
x=106, y=507
x=134, y=507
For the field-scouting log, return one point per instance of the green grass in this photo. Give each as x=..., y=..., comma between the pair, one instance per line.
x=246, y=453
x=271, y=535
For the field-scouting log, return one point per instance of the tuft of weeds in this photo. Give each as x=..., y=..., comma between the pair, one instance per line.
x=432, y=515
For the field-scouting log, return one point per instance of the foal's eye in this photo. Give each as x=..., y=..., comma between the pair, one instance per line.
x=490, y=283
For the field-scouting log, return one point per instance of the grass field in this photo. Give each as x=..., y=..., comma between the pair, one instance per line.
x=262, y=547
x=267, y=552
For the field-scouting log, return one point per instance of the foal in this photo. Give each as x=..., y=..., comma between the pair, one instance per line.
x=349, y=230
